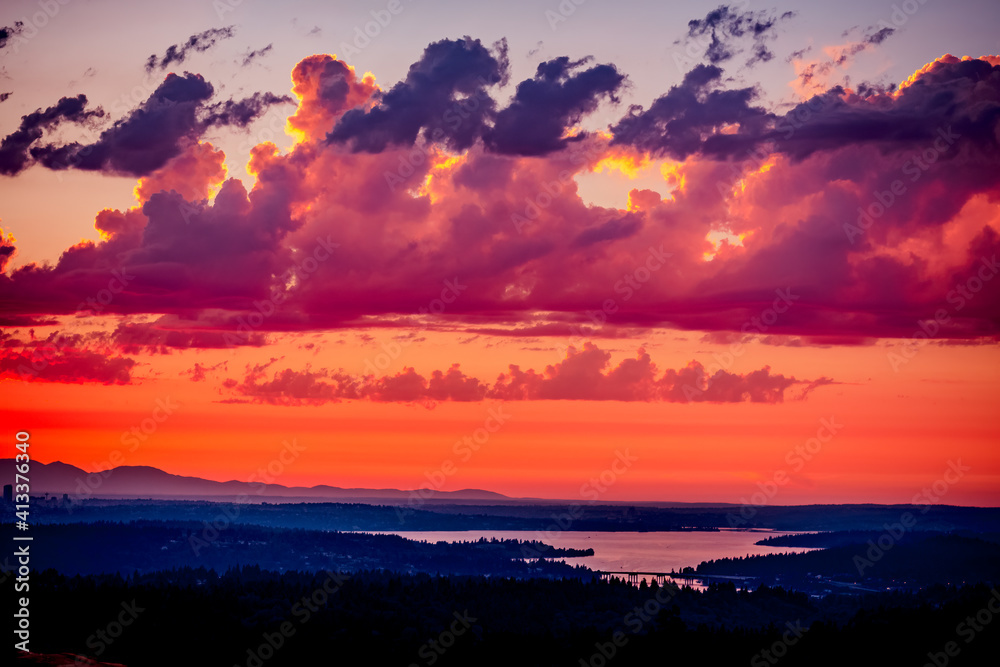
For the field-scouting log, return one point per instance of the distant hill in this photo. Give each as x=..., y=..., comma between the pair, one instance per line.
x=58, y=478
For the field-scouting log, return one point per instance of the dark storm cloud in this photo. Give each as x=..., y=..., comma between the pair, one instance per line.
x=677, y=123
x=444, y=96
x=146, y=138
x=959, y=99
x=175, y=115
x=544, y=106
x=14, y=147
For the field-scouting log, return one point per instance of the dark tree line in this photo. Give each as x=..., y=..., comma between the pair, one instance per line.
x=198, y=616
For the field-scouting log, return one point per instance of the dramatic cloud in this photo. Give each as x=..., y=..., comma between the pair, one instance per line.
x=962, y=96
x=443, y=96
x=15, y=146
x=858, y=214
x=174, y=116
x=678, y=123
x=198, y=43
x=584, y=375
x=326, y=88
x=546, y=106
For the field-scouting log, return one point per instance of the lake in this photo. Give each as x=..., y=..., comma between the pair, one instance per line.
x=631, y=551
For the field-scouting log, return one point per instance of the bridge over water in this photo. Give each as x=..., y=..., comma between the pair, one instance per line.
x=663, y=577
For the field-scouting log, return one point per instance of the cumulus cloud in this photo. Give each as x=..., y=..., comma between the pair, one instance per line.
x=690, y=117
x=484, y=241
x=290, y=387
x=61, y=358
x=584, y=375
x=444, y=97
x=174, y=117
x=14, y=148
x=545, y=107
x=326, y=88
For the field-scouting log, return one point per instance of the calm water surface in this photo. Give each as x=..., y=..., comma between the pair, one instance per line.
x=631, y=552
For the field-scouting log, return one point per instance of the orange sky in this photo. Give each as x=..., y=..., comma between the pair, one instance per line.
x=556, y=206
x=900, y=430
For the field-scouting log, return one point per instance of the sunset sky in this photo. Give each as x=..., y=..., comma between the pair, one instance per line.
x=503, y=246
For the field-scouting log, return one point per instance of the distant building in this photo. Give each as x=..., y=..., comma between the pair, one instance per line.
x=8, y=493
